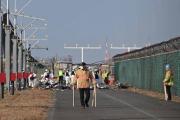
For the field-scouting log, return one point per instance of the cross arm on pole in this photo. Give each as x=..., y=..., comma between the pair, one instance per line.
x=125, y=47
x=82, y=49
x=42, y=39
x=38, y=47
x=27, y=16
x=92, y=47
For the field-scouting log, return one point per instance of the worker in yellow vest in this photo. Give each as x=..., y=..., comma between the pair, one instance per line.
x=105, y=76
x=168, y=82
x=61, y=76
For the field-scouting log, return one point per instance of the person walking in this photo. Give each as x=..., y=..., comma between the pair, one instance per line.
x=45, y=75
x=32, y=80
x=105, y=76
x=61, y=74
x=67, y=79
x=72, y=77
x=84, y=78
x=168, y=82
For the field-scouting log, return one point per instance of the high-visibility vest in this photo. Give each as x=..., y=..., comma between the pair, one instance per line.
x=169, y=79
x=104, y=75
x=60, y=73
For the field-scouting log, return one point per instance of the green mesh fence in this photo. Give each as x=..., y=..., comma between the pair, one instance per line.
x=148, y=72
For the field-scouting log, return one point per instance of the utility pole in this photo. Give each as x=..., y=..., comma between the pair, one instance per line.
x=18, y=56
x=1, y=53
x=107, y=54
x=23, y=53
x=88, y=47
x=20, y=46
x=7, y=47
x=14, y=40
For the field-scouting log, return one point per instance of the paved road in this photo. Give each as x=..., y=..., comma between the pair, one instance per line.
x=114, y=105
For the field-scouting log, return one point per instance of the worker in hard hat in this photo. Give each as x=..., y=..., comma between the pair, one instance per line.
x=83, y=79
x=168, y=82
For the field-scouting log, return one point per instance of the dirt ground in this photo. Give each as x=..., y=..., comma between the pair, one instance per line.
x=152, y=94
x=31, y=104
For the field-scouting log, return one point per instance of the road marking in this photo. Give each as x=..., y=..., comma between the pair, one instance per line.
x=132, y=106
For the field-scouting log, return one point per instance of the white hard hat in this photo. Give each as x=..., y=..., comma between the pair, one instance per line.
x=81, y=67
x=46, y=70
x=34, y=74
x=167, y=66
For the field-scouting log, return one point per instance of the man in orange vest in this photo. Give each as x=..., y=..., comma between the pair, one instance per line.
x=83, y=79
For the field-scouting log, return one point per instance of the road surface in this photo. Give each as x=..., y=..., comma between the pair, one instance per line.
x=113, y=105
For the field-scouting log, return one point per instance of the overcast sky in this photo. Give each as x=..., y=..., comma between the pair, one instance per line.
x=93, y=22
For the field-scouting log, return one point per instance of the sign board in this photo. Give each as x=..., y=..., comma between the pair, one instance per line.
x=19, y=76
x=13, y=76
x=2, y=78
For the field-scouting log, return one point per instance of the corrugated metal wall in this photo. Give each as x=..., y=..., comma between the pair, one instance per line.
x=148, y=72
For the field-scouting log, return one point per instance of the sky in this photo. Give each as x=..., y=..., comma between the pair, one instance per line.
x=94, y=22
